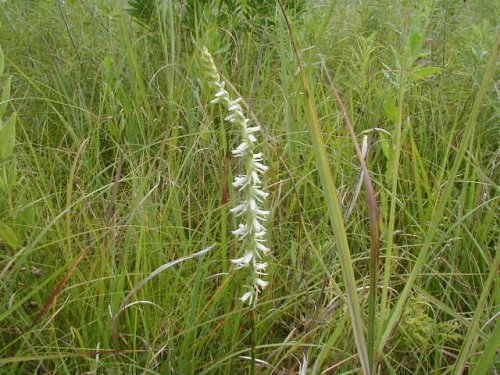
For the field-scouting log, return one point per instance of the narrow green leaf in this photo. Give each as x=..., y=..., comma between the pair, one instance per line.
x=426, y=72
x=26, y=212
x=8, y=236
x=333, y=208
x=385, y=145
x=5, y=97
x=415, y=44
x=7, y=137
x=438, y=214
x=485, y=363
x=473, y=332
x=391, y=110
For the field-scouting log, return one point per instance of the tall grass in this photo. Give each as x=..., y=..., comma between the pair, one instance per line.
x=121, y=166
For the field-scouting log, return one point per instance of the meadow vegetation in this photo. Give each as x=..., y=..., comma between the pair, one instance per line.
x=116, y=187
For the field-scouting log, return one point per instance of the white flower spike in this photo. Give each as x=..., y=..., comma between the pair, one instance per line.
x=251, y=230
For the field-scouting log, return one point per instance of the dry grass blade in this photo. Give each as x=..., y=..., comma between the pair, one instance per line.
x=77, y=261
x=58, y=288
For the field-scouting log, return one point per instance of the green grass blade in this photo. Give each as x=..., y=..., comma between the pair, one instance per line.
x=472, y=334
x=334, y=211
x=487, y=359
x=373, y=213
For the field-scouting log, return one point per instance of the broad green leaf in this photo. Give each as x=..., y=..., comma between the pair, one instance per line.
x=8, y=236
x=4, y=100
x=391, y=110
x=8, y=137
x=8, y=177
x=1, y=61
x=4, y=188
x=426, y=72
x=25, y=217
x=385, y=145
